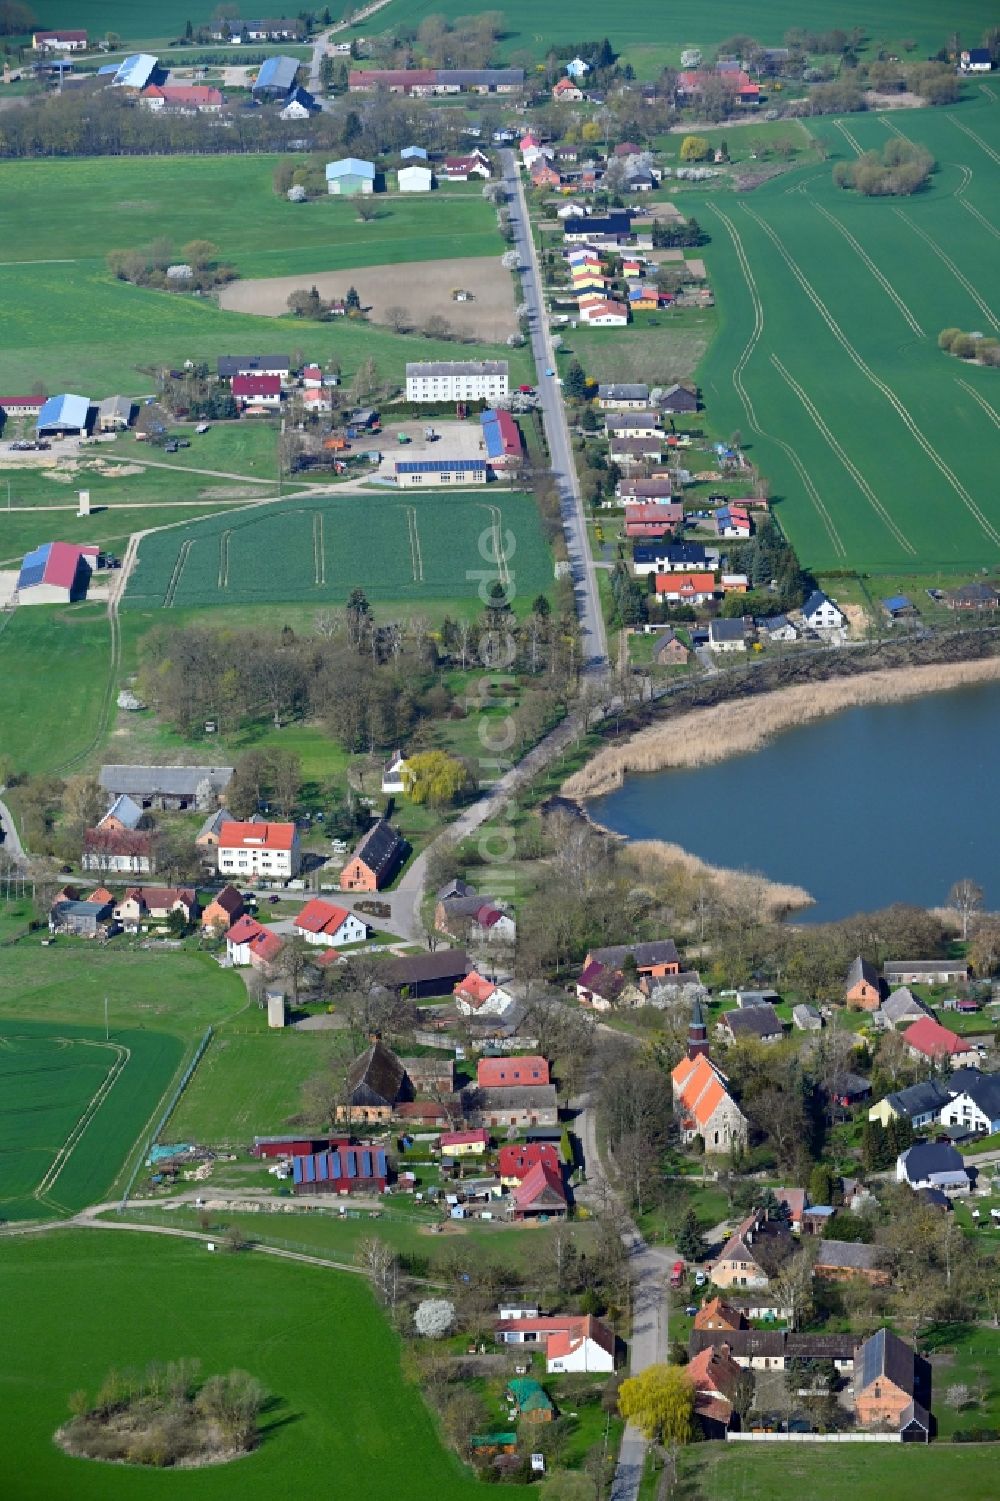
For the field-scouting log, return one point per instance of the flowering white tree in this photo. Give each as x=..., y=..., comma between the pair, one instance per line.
x=434, y=1317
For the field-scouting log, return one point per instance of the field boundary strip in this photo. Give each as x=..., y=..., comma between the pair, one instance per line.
x=842, y=454
x=143, y=1142
x=65, y=1152
x=978, y=397
x=740, y=387
x=973, y=135
x=971, y=207
x=880, y=385
x=882, y=280
x=946, y=260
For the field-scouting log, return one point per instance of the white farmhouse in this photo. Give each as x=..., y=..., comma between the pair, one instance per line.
x=329, y=926
x=821, y=614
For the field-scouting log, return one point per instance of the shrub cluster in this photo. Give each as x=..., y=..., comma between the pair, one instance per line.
x=980, y=347
x=898, y=170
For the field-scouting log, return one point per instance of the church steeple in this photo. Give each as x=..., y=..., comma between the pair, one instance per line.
x=697, y=1033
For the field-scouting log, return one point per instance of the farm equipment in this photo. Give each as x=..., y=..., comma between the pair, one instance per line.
x=403, y=438
x=336, y=444
x=430, y=436
x=461, y=294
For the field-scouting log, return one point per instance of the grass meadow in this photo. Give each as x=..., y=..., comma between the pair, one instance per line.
x=54, y=666
x=80, y=1302
x=68, y=323
x=249, y=1082
x=412, y=548
x=71, y=1108
x=880, y=449
x=865, y=1472
x=642, y=38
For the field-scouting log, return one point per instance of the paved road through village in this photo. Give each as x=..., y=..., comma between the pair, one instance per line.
x=594, y=641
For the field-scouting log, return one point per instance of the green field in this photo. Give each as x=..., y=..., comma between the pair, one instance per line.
x=412, y=548
x=68, y=323
x=248, y=1084
x=649, y=40
x=865, y=1472
x=71, y=1107
x=51, y=716
x=341, y=1417
x=880, y=450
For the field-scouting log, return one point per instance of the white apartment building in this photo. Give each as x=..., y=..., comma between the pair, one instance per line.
x=457, y=380
x=259, y=851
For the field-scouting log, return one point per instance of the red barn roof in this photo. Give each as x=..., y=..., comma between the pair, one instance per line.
x=518, y=1160
x=527, y=1068
x=256, y=385
x=928, y=1036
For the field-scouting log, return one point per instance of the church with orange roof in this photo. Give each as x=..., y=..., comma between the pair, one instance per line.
x=701, y=1096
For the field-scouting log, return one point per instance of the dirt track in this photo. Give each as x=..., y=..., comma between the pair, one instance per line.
x=421, y=288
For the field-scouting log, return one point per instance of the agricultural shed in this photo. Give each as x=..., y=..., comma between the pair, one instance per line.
x=341, y=1169
x=276, y=76
x=55, y=573
x=135, y=72
x=64, y=414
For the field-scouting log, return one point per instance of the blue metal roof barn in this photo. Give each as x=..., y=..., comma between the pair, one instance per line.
x=66, y=412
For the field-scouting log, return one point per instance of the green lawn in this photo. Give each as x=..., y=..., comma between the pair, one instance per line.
x=658, y=348
x=249, y=1083
x=80, y=1303
x=405, y=1226
x=879, y=449
x=865, y=1472
x=394, y=547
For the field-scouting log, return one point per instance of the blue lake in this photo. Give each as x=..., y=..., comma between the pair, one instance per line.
x=871, y=806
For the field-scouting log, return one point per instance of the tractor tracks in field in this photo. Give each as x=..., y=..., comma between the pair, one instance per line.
x=499, y=555
x=886, y=390
x=863, y=255
x=183, y=553
x=59, y=1161
x=947, y=261
x=838, y=448
x=319, y=550
x=973, y=135
x=745, y=398
x=970, y=208
x=848, y=137
x=416, y=556
x=977, y=397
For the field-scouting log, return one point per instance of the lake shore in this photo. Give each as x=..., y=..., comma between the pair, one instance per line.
x=737, y=727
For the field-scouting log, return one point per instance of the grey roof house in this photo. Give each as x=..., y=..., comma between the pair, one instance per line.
x=175, y=787
x=761, y=1023
x=920, y=1104
x=932, y=1164
x=901, y=1008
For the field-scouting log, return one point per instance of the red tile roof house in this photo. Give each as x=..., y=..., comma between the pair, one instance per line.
x=927, y=1040
x=21, y=406
x=257, y=393
x=522, y=1069
x=464, y=1143
x=145, y=904
x=477, y=996
x=572, y=1342
x=128, y=853
x=247, y=942
x=263, y=851
x=540, y=1192
x=652, y=519
x=330, y=926
x=515, y=1162
x=224, y=908
x=715, y=1376
x=188, y=98
x=686, y=588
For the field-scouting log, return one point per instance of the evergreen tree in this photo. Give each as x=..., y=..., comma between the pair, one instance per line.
x=690, y=1241
x=575, y=381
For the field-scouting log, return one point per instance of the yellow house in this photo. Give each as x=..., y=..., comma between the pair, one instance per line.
x=884, y=1112
x=464, y=1143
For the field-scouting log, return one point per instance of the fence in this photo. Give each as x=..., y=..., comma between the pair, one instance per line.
x=168, y=1112
x=814, y=1438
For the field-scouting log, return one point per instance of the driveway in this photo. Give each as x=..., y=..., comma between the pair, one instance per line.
x=10, y=839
